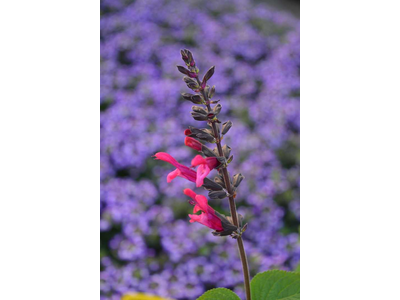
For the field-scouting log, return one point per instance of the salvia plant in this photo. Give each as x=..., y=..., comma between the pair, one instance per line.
x=214, y=155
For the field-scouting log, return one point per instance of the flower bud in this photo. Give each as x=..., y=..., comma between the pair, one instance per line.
x=237, y=179
x=191, y=83
x=209, y=73
x=187, y=57
x=198, y=116
x=219, y=180
x=211, y=92
x=227, y=151
x=184, y=55
x=217, y=195
x=199, y=109
x=211, y=185
x=217, y=109
x=205, y=137
x=185, y=71
x=226, y=126
x=196, y=99
x=193, y=143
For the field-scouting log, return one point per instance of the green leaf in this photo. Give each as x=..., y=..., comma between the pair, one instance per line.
x=276, y=285
x=297, y=269
x=220, y=294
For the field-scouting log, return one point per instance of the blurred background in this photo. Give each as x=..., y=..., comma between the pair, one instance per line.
x=147, y=242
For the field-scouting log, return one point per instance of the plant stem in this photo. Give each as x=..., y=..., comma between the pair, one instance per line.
x=232, y=204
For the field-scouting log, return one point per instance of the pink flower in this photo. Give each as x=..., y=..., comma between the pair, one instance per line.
x=207, y=216
x=205, y=167
x=193, y=143
x=181, y=170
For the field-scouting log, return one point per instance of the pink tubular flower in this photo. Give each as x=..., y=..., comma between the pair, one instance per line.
x=193, y=143
x=207, y=216
x=205, y=167
x=181, y=170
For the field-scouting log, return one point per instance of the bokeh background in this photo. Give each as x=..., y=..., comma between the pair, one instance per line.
x=147, y=242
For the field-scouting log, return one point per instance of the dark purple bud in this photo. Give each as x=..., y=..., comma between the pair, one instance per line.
x=211, y=185
x=184, y=55
x=226, y=126
x=185, y=71
x=198, y=116
x=209, y=73
x=237, y=179
x=211, y=92
x=187, y=96
x=196, y=99
x=188, y=58
x=206, y=137
x=215, y=195
x=217, y=109
x=189, y=55
x=199, y=109
x=194, y=130
x=209, y=131
x=191, y=83
x=227, y=151
x=219, y=180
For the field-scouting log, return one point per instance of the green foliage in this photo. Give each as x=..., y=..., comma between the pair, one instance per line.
x=220, y=294
x=276, y=285
x=270, y=285
x=297, y=269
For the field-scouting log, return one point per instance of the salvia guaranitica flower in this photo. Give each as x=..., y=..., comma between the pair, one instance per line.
x=181, y=170
x=205, y=165
x=208, y=216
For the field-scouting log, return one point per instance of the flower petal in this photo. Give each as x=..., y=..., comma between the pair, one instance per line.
x=202, y=202
x=202, y=172
x=198, y=160
x=184, y=171
x=173, y=175
x=166, y=157
x=190, y=193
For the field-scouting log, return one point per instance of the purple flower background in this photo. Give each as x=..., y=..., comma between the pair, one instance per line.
x=147, y=242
